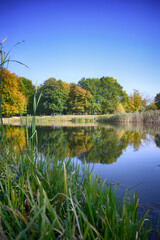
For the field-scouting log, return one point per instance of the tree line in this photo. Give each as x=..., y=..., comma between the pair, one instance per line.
x=88, y=96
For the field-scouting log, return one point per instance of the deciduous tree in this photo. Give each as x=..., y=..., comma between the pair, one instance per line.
x=27, y=89
x=13, y=101
x=120, y=108
x=79, y=99
x=55, y=96
x=135, y=102
x=157, y=100
x=106, y=93
x=92, y=85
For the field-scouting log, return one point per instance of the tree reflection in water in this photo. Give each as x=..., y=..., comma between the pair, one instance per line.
x=94, y=144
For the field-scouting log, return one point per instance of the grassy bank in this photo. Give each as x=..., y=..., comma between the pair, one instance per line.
x=50, y=120
x=148, y=117
x=52, y=199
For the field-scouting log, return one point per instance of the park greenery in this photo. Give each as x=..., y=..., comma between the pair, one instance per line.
x=90, y=96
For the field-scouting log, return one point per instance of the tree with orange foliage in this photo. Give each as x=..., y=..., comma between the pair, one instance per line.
x=13, y=101
x=79, y=99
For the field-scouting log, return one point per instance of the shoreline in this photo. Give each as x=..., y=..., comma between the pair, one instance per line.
x=137, y=118
x=51, y=120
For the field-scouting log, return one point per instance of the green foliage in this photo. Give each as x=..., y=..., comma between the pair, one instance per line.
x=111, y=92
x=135, y=102
x=27, y=89
x=120, y=108
x=106, y=93
x=157, y=100
x=151, y=107
x=92, y=85
x=55, y=96
x=157, y=140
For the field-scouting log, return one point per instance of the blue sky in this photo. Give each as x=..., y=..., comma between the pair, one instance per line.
x=69, y=40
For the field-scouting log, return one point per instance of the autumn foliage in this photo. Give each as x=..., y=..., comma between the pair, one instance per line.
x=89, y=96
x=13, y=101
x=135, y=102
x=79, y=99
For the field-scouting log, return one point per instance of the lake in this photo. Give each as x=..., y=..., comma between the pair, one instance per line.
x=124, y=154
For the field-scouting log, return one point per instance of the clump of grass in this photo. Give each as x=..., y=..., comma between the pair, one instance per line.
x=77, y=120
x=89, y=120
x=82, y=120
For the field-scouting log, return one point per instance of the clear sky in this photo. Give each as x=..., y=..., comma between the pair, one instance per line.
x=71, y=39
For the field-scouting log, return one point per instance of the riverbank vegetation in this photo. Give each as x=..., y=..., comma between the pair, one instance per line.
x=146, y=117
x=44, y=197
x=50, y=120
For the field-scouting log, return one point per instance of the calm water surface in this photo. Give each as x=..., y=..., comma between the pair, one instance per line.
x=130, y=156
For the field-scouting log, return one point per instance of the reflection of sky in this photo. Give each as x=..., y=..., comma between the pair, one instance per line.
x=136, y=171
x=134, y=168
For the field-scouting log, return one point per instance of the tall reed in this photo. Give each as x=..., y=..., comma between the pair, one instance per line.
x=152, y=116
x=52, y=200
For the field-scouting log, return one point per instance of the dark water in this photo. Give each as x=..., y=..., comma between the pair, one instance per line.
x=130, y=156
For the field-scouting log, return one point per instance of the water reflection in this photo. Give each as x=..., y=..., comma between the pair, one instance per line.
x=94, y=144
x=98, y=144
x=127, y=154
x=157, y=140
x=16, y=135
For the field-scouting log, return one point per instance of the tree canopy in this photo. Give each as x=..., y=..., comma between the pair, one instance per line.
x=79, y=99
x=89, y=96
x=13, y=101
x=54, y=96
x=106, y=93
x=157, y=100
x=135, y=102
x=26, y=87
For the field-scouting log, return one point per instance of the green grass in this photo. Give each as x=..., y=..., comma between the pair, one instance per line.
x=82, y=120
x=49, y=120
x=147, y=117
